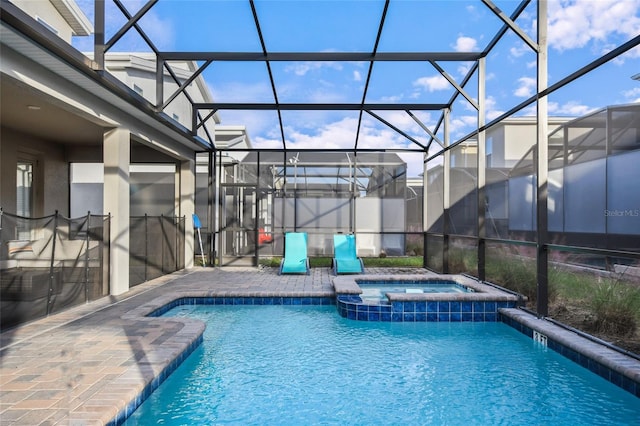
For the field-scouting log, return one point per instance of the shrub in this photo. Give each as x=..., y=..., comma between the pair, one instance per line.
x=514, y=274
x=519, y=275
x=414, y=249
x=616, y=307
x=572, y=285
x=463, y=261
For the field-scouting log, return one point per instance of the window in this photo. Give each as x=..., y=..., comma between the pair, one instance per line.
x=137, y=89
x=87, y=188
x=176, y=117
x=489, y=150
x=24, y=187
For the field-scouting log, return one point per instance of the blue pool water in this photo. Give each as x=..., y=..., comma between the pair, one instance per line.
x=307, y=365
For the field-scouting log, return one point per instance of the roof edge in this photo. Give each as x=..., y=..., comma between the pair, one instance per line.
x=71, y=12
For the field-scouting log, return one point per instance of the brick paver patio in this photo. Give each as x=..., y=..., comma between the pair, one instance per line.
x=82, y=366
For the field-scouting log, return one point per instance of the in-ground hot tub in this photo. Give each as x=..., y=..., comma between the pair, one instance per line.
x=376, y=291
x=425, y=297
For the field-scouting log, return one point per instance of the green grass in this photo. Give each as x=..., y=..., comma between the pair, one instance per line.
x=393, y=262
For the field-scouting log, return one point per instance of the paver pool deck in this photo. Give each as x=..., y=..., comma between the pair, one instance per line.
x=83, y=366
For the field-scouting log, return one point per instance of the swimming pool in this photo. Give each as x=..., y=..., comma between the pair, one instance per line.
x=307, y=365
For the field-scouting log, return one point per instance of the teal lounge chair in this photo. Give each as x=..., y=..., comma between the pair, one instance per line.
x=295, y=260
x=345, y=259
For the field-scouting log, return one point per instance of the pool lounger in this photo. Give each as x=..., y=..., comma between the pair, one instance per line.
x=295, y=260
x=345, y=258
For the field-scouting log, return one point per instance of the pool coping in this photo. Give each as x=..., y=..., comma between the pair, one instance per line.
x=618, y=368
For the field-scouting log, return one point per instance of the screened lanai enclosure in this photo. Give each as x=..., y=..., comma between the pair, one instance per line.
x=537, y=185
x=500, y=139
x=262, y=195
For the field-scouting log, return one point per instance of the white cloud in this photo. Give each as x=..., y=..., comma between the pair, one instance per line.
x=341, y=134
x=241, y=92
x=463, y=69
x=406, y=123
x=570, y=108
x=324, y=96
x=527, y=86
x=574, y=23
x=267, y=142
x=491, y=111
x=466, y=105
x=463, y=124
x=432, y=84
x=302, y=68
x=529, y=111
x=519, y=50
x=357, y=76
x=460, y=125
x=316, y=90
x=629, y=54
x=259, y=124
x=391, y=99
x=466, y=44
x=161, y=31
x=632, y=95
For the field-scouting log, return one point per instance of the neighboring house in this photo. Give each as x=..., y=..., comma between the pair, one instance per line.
x=509, y=146
x=153, y=183
x=62, y=17
x=138, y=71
x=596, y=154
x=501, y=148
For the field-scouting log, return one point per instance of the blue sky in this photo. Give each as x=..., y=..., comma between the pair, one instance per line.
x=579, y=32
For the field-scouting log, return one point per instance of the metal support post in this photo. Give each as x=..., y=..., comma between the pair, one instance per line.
x=446, y=178
x=542, y=165
x=481, y=172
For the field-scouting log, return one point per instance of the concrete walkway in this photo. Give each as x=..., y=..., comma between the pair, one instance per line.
x=83, y=366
